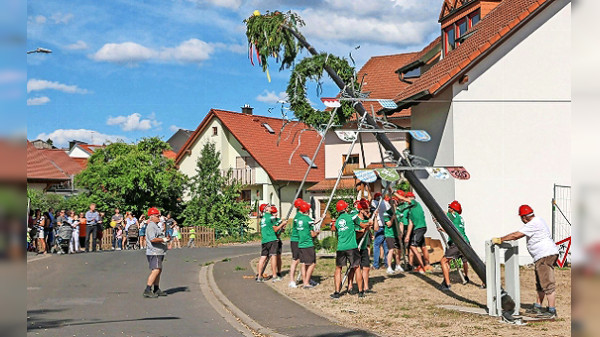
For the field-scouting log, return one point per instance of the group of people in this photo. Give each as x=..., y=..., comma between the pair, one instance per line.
x=83, y=232
x=399, y=226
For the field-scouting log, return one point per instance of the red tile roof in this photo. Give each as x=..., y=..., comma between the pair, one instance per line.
x=39, y=167
x=249, y=131
x=492, y=30
x=170, y=154
x=90, y=148
x=67, y=164
x=82, y=162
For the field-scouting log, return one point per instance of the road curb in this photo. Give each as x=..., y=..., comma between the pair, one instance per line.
x=314, y=311
x=228, y=310
x=37, y=258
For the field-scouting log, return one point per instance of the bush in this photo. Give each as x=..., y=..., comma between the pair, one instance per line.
x=317, y=244
x=329, y=243
x=238, y=238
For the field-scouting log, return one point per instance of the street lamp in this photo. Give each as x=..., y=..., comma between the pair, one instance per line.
x=40, y=50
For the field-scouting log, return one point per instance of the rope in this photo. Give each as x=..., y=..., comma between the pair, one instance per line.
x=318, y=223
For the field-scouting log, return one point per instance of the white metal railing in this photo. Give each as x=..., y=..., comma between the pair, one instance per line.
x=245, y=176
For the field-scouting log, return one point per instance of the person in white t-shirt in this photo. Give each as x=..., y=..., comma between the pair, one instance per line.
x=544, y=252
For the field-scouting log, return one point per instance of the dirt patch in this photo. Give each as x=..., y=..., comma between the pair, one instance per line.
x=406, y=304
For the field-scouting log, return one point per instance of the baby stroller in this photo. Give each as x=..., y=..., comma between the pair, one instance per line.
x=62, y=238
x=132, y=236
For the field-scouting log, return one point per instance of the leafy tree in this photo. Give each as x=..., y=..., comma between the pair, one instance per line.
x=44, y=201
x=132, y=177
x=215, y=197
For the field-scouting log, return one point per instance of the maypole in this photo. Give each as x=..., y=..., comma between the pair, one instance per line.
x=281, y=26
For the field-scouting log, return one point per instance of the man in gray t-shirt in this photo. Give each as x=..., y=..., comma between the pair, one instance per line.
x=156, y=248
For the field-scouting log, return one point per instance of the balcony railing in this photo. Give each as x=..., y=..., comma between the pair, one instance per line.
x=245, y=176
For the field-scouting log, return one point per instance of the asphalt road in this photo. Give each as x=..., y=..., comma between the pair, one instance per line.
x=100, y=294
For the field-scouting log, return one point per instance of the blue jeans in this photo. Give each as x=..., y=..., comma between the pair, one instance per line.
x=379, y=240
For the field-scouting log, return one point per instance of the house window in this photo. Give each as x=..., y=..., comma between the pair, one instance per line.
x=461, y=27
x=269, y=128
x=215, y=131
x=474, y=18
x=413, y=73
x=308, y=161
x=450, y=38
x=353, y=163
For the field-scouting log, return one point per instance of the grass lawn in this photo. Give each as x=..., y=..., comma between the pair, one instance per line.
x=406, y=304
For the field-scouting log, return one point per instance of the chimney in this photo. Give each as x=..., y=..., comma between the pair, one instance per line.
x=247, y=109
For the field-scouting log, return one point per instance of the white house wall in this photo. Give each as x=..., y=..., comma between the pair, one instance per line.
x=510, y=126
x=527, y=83
x=77, y=152
x=335, y=149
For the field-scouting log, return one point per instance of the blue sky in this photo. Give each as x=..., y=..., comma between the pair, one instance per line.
x=125, y=69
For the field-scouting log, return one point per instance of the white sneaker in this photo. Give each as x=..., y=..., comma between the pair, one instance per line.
x=390, y=270
x=112, y=248
x=399, y=269
x=292, y=285
x=118, y=249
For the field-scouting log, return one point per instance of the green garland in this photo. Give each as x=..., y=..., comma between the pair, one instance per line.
x=312, y=68
x=267, y=37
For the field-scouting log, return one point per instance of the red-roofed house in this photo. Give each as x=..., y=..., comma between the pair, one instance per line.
x=498, y=101
x=43, y=173
x=263, y=154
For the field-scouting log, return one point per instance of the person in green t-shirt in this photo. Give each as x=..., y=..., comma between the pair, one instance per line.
x=277, y=220
x=268, y=228
x=347, y=248
x=452, y=252
x=362, y=226
x=307, y=254
x=294, y=244
x=392, y=238
x=417, y=227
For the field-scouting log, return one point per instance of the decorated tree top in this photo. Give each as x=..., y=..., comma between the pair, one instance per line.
x=275, y=34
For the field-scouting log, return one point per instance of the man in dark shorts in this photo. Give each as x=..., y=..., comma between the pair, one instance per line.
x=452, y=252
x=362, y=225
x=294, y=244
x=268, y=228
x=306, y=249
x=417, y=227
x=156, y=248
x=347, y=249
x=544, y=252
x=276, y=220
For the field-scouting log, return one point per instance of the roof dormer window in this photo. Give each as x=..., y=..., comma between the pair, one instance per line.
x=449, y=39
x=455, y=33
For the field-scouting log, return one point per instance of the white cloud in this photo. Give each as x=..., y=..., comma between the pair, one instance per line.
x=40, y=19
x=61, y=137
x=235, y=48
x=174, y=128
x=38, y=100
x=231, y=4
x=123, y=52
x=79, y=45
x=38, y=85
x=271, y=97
x=190, y=51
x=62, y=18
x=134, y=122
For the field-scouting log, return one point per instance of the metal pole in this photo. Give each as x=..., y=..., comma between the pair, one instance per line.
x=553, y=213
x=426, y=197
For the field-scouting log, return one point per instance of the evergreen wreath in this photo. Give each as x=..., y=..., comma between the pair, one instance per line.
x=312, y=68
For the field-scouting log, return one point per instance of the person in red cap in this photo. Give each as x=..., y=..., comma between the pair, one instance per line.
x=294, y=244
x=347, y=248
x=417, y=227
x=306, y=248
x=362, y=224
x=156, y=248
x=279, y=243
x=452, y=252
x=268, y=230
x=544, y=252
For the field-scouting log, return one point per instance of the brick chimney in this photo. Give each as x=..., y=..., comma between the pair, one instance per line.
x=247, y=109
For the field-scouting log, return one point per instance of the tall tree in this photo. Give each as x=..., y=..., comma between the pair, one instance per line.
x=215, y=197
x=133, y=177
